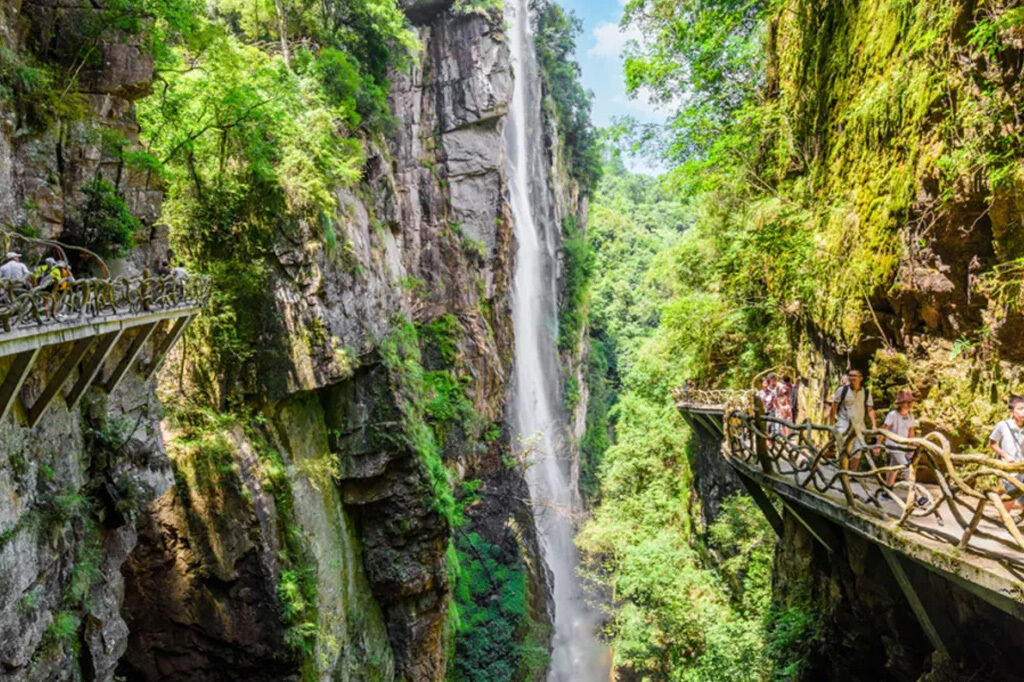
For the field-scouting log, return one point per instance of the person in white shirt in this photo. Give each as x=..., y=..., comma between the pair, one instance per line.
x=851, y=404
x=900, y=422
x=1006, y=439
x=13, y=268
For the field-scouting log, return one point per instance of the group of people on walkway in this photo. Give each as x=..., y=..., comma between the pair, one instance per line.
x=781, y=399
x=48, y=272
x=852, y=407
x=51, y=274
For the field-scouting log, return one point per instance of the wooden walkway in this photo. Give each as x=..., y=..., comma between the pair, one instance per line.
x=97, y=329
x=958, y=532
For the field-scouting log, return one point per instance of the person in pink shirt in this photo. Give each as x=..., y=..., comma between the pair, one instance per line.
x=900, y=422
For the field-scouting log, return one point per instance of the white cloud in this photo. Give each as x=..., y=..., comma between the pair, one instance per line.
x=611, y=39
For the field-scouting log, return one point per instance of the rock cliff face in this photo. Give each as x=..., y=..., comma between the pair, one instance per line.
x=299, y=537
x=430, y=239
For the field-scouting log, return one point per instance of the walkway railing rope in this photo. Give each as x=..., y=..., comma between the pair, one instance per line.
x=954, y=497
x=67, y=300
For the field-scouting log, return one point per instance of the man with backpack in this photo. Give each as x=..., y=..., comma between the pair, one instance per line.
x=1005, y=441
x=851, y=404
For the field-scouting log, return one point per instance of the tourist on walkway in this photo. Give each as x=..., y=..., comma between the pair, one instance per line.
x=46, y=274
x=767, y=397
x=851, y=404
x=784, y=411
x=64, y=275
x=13, y=268
x=900, y=422
x=1005, y=441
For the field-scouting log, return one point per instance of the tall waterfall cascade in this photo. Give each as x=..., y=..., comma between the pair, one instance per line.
x=538, y=417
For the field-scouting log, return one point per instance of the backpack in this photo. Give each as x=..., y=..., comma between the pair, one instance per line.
x=846, y=389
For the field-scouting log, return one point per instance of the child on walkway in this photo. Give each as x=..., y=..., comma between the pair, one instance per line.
x=901, y=422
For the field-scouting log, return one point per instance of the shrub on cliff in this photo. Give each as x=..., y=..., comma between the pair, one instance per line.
x=104, y=224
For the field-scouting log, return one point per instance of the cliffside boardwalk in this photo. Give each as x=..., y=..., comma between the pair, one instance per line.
x=947, y=514
x=98, y=326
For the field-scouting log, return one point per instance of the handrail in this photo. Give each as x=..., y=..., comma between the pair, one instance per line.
x=969, y=487
x=64, y=300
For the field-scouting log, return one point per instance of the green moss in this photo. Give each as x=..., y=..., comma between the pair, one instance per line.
x=496, y=639
x=63, y=629
x=442, y=335
x=400, y=353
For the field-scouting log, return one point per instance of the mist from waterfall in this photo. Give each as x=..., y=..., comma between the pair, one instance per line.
x=539, y=419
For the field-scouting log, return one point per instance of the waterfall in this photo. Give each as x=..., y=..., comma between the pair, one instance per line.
x=538, y=417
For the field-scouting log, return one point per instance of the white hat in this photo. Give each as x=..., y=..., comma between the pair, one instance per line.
x=11, y=255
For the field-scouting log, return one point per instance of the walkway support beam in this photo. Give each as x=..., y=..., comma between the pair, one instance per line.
x=56, y=382
x=763, y=503
x=15, y=379
x=937, y=627
x=141, y=337
x=168, y=341
x=815, y=525
x=92, y=366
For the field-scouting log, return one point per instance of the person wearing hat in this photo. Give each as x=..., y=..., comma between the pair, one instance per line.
x=13, y=268
x=900, y=422
x=65, y=276
x=47, y=273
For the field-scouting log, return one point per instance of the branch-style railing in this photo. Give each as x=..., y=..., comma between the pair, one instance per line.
x=969, y=488
x=74, y=300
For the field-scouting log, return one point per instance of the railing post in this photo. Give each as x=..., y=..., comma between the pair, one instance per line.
x=760, y=437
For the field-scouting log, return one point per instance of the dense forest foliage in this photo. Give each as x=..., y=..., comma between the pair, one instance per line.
x=689, y=603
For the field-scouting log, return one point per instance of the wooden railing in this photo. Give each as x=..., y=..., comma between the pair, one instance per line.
x=858, y=470
x=68, y=300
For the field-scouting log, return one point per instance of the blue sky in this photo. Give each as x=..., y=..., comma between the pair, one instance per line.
x=598, y=51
